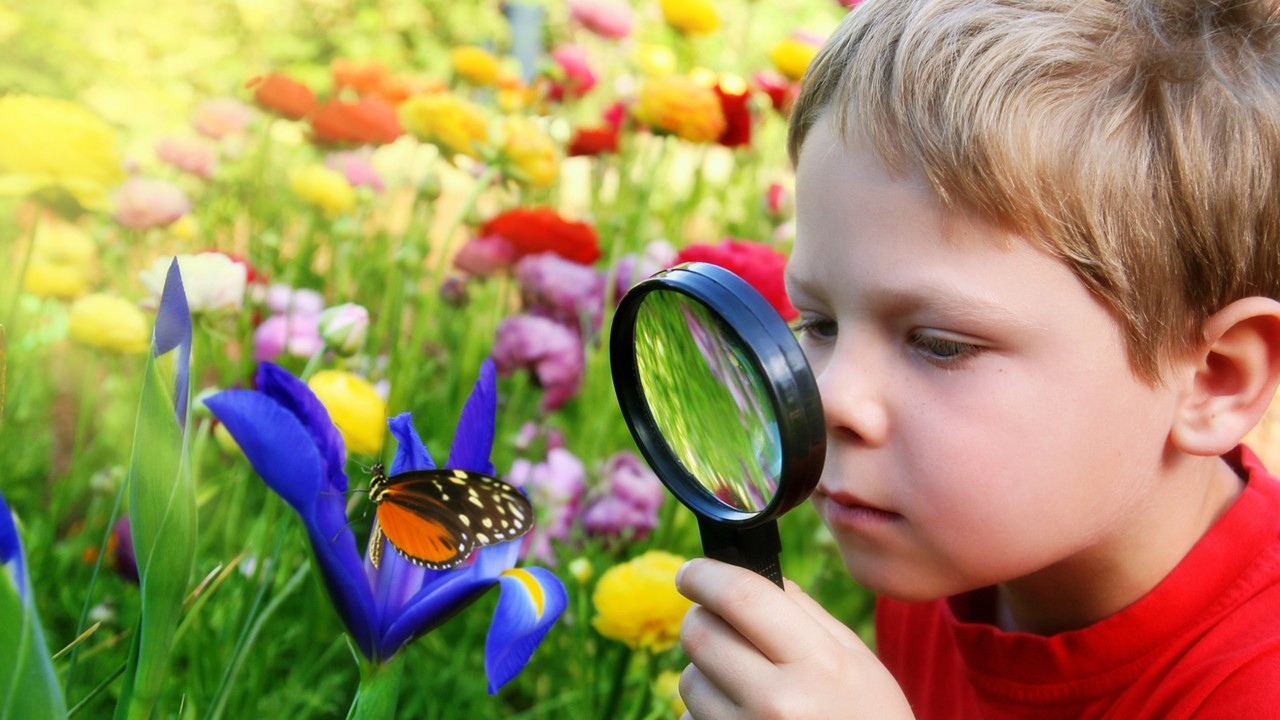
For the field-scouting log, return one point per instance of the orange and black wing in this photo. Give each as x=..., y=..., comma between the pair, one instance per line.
x=437, y=518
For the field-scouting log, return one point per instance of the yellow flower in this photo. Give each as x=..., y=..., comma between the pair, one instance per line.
x=637, y=603
x=108, y=322
x=667, y=685
x=691, y=17
x=682, y=107
x=323, y=187
x=47, y=143
x=792, y=56
x=447, y=120
x=531, y=157
x=63, y=260
x=354, y=406
x=475, y=65
x=655, y=59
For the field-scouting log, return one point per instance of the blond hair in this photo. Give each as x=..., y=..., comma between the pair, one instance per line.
x=1138, y=140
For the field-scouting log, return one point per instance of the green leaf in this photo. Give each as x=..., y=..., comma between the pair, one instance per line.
x=162, y=506
x=28, y=686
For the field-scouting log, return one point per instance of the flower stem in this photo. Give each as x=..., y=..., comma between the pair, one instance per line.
x=619, y=682
x=379, y=691
x=22, y=272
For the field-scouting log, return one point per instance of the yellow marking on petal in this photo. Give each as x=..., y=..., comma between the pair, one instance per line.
x=530, y=583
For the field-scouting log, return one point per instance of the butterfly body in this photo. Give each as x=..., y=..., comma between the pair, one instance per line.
x=437, y=518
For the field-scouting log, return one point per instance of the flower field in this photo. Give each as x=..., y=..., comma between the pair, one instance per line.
x=400, y=229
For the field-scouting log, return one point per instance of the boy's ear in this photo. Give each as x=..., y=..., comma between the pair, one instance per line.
x=1234, y=377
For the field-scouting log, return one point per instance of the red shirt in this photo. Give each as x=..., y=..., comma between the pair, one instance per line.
x=1204, y=643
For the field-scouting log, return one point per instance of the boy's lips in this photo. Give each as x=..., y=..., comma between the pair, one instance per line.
x=841, y=507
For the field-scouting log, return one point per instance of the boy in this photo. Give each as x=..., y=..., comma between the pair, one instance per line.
x=1037, y=263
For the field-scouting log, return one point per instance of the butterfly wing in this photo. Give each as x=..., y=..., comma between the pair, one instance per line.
x=437, y=518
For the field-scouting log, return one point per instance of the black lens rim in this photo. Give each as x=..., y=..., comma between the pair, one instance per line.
x=776, y=356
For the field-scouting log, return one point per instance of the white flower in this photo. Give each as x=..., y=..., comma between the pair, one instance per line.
x=344, y=327
x=212, y=280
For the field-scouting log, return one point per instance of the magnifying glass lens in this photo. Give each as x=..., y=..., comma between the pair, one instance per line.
x=708, y=401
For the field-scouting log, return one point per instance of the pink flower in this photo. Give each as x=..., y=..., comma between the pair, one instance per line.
x=484, y=256
x=634, y=496
x=779, y=201
x=355, y=166
x=219, y=117
x=344, y=327
x=551, y=351
x=579, y=78
x=189, y=155
x=296, y=335
x=142, y=204
x=284, y=300
x=555, y=486
x=561, y=289
x=606, y=19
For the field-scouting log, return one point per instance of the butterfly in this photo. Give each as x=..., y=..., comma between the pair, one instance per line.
x=437, y=518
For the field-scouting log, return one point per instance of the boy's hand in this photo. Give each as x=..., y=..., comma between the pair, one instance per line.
x=759, y=652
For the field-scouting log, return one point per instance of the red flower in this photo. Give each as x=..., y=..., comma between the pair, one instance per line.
x=594, y=141
x=537, y=230
x=781, y=91
x=367, y=121
x=757, y=263
x=283, y=95
x=737, y=128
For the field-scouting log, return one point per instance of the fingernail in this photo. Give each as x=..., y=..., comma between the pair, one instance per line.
x=680, y=572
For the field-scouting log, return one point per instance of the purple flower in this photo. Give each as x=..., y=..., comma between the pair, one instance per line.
x=123, y=558
x=551, y=351
x=634, y=496
x=562, y=290
x=293, y=445
x=632, y=268
x=555, y=487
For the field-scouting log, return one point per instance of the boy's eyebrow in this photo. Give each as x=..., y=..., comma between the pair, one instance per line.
x=954, y=302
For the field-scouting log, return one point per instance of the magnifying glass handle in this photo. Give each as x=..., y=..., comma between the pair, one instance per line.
x=754, y=548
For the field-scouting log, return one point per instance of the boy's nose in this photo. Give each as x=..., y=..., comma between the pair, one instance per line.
x=853, y=401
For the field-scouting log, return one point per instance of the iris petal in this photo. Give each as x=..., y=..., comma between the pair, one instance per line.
x=280, y=448
x=532, y=600
x=11, y=549
x=173, y=330
x=473, y=440
x=278, y=384
x=411, y=453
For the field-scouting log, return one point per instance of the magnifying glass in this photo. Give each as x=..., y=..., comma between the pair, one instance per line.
x=722, y=404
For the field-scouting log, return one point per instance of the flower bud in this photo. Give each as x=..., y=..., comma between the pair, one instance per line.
x=344, y=327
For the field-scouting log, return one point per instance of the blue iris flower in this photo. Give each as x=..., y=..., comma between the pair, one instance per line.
x=11, y=559
x=293, y=445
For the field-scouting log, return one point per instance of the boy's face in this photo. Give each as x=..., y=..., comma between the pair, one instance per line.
x=983, y=423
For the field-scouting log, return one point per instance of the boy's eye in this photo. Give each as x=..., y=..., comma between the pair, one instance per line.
x=816, y=329
x=941, y=349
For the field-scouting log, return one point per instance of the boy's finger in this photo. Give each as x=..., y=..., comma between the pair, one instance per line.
x=766, y=616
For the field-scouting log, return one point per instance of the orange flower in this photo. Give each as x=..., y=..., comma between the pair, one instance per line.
x=680, y=106
x=536, y=230
x=283, y=95
x=364, y=78
x=367, y=121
